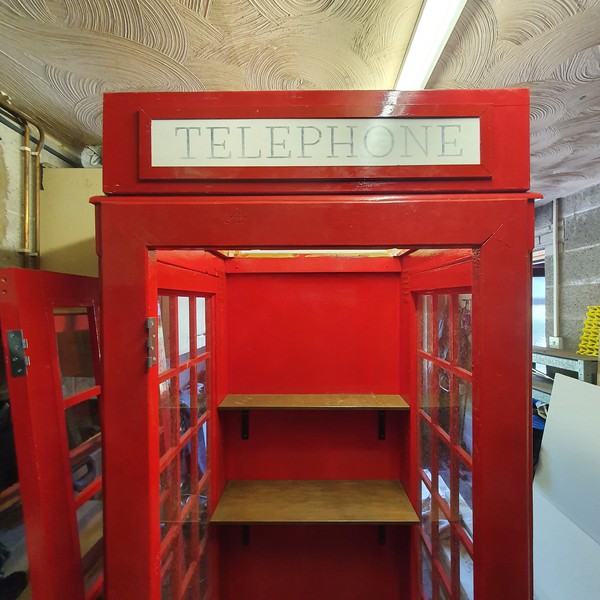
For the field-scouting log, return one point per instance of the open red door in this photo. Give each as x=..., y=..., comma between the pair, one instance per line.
x=49, y=324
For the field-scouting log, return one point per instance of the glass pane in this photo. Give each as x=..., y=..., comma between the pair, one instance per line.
x=426, y=574
x=191, y=548
x=425, y=400
x=465, y=498
x=203, y=512
x=83, y=422
x=169, y=498
x=167, y=417
x=89, y=522
x=164, y=333
x=443, y=381
x=183, y=321
x=444, y=471
x=426, y=511
x=443, y=593
x=464, y=331
x=167, y=584
x=200, y=323
x=444, y=544
x=425, y=311
x=465, y=415
x=186, y=381
x=202, y=450
x=75, y=354
x=466, y=574
x=202, y=386
x=203, y=575
x=425, y=448
x=443, y=326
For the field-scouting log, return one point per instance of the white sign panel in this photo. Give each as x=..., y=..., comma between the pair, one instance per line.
x=384, y=142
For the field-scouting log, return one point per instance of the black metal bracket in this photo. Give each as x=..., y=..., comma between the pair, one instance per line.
x=245, y=424
x=245, y=535
x=16, y=352
x=381, y=535
x=381, y=422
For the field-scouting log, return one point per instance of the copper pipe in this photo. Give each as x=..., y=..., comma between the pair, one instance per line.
x=26, y=121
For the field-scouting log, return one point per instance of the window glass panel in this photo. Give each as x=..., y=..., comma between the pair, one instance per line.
x=164, y=333
x=167, y=417
x=443, y=326
x=444, y=471
x=426, y=574
x=465, y=415
x=75, y=355
x=425, y=371
x=464, y=331
x=186, y=382
x=167, y=583
x=465, y=498
x=425, y=448
x=83, y=422
x=444, y=382
x=425, y=310
x=443, y=593
x=200, y=323
x=183, y=322
x=89, y=522
x=426, y=511
x=203, y=512
x=444, y=544
x=169, y=498
x=202, y=450
x=202, y=386
x=191, y=548
x=466, y=574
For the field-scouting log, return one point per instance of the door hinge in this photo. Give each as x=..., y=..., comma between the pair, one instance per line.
x=151, y=344
x=17, y=345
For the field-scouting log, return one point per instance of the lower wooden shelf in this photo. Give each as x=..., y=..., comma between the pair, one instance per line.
x=313, y=402
x=316, y=501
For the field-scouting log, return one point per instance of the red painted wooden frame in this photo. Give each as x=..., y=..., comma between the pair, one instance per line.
x=27, y=300
x=500, y=230
x=128, y=170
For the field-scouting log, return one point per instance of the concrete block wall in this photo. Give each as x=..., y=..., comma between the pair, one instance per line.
x=578, y=260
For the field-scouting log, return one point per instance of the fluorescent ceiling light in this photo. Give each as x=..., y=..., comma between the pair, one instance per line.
x=436, y=23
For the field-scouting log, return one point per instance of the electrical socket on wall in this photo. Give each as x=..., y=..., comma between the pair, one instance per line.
x=555, y=342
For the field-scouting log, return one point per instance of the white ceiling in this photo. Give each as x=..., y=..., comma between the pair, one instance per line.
x=57, y=57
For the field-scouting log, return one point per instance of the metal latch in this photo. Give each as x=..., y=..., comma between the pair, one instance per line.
x=16, y=351
x=151, y=344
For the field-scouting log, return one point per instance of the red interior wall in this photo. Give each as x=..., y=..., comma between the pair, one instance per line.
x=314, y=333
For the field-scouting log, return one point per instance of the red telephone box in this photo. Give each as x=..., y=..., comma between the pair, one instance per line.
x=316, y=345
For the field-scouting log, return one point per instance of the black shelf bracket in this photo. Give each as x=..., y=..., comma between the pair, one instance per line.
x=381, y=421
x=381, y=535
x=245, y=535
x=245, y=424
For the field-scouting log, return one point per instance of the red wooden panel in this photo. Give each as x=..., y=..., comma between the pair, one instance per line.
x=321, y=333
x=38, y=414
x=315, y=562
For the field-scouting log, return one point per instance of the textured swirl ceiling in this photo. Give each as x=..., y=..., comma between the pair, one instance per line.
x=57, y=57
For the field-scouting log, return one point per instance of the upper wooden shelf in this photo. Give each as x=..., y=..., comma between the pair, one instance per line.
x=313, y=402
x=317, y=501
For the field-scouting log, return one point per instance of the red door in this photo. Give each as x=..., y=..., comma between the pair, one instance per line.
x=49, y=324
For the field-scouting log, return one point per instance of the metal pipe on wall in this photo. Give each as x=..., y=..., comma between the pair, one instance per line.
x=28, y=252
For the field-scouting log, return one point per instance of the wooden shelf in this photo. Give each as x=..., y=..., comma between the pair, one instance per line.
x=317, y=501
x=313, y=402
